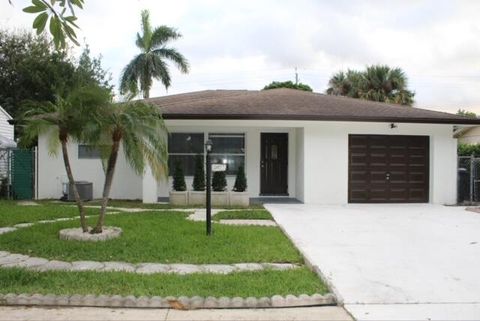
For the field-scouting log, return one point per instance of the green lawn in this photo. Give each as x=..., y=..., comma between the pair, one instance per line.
x=139, y=204
x=243, y=215
x=157, y=237
x=11, y=213
x=243, y=284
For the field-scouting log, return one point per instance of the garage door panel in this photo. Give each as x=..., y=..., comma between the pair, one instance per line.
x=386, y=168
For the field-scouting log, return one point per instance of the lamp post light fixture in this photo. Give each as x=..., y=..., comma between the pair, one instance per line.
x=208, y=202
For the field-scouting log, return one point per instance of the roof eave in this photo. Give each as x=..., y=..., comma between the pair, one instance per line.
x=322, y=118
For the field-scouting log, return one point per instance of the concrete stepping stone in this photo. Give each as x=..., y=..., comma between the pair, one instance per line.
x=249, y=222
x=118, y=267
x=280, y=266
x=86, y=266
x=28, y=263
x=185, y=268
x=54, y=266
x=4, y=253
x=27, y=203
x=12, y=258
x=150, y=268
x=249, y=266
x=219, y=268
x=21, y=225
x=4, y=230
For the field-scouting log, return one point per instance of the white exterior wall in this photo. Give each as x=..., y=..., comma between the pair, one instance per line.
x=6, y=130
x=318, y=160
x=51, y=174
x=326, y=158
x=471, y=136
x=252, y=150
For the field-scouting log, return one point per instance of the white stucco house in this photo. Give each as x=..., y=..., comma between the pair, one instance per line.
x=306, y=146
x=6, y=130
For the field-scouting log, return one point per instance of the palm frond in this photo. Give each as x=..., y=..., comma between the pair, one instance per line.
x=172, y=54
x=162, y=35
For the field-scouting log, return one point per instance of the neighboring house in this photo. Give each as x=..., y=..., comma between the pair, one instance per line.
x=6, y=141
x=468, y=135
x=308, y=146
x=6, y=130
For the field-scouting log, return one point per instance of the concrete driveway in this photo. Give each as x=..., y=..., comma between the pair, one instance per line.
x=392, y=262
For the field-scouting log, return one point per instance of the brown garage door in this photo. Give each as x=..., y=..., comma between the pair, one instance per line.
x=388, y=169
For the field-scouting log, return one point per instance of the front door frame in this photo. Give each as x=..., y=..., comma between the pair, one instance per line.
x=274, y=186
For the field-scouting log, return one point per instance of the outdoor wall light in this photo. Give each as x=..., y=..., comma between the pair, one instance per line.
x=208, y=146
x=393, y=125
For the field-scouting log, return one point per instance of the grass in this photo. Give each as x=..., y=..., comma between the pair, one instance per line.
x=163, y=237
x=243, y=284
x=243, y=215
x=11, y=213
x=139, y=204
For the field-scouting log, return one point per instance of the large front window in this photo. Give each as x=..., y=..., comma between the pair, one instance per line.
x=184, y=147
x=228, y=149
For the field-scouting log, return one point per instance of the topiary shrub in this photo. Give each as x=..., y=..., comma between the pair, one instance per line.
x=240, y=180
x=199, y=177
x=219, y=182
x=179, y=178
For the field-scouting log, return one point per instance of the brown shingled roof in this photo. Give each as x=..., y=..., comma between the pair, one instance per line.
x=290, y=104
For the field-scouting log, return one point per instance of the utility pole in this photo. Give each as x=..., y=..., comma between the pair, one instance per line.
x=296, y=76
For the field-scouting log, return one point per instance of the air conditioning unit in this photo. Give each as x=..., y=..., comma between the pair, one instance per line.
x=85, y=190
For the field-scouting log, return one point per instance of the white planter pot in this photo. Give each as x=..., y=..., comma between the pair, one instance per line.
x=178, y=198
x=241, y=199
x=196, y=198
x=220, y=199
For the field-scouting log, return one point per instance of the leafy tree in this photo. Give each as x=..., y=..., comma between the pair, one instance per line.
x=64, y=120
x=31, y=69
x=287, y=84
x=139, y=129
x=240, y=180
x=179, y=178
x=466, y=113
x=468, y=150
x=61, y=14
x=378, y=83
x=150, y=64
x=219, y=181
x=199, y=177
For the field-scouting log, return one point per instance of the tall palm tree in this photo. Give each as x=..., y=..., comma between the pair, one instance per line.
x=382, y=83
x=150, y=64
x=377, y=83
x=139, y=129
x=64, y=120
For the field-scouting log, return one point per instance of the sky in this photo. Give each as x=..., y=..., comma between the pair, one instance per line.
x=247, y=44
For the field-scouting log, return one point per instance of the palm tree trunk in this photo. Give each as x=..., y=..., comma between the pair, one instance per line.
x=112, y=161
x=71, y=181
x=146, y=93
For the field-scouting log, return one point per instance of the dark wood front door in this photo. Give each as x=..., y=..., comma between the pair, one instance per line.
x=274, y=164
x=388, y=169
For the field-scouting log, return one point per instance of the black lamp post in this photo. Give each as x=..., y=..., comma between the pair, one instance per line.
x=208, y=148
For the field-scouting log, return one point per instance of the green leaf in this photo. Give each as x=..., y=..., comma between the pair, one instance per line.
x=33, y=9
x=39, y=3
x=40, y=22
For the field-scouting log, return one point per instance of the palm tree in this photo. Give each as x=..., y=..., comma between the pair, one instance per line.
x=382, y=83
x=377, y=83
x=139, y=129
x=64, y=120
x=150, y=63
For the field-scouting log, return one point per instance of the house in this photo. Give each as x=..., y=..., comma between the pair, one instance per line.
x=6, y=130
x=307, y=146
x=468, y=135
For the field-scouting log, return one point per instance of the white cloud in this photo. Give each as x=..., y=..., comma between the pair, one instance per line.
x=247, y=44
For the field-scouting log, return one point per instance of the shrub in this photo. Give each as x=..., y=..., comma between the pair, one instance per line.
x=199, y=177
x=179, y=178
x=468, y=149
x=219, y=182
x=240, y=180
x=3, y=187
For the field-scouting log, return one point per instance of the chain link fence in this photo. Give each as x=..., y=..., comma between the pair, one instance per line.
x=468, y=180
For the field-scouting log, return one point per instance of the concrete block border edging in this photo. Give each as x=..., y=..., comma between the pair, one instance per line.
x=180, y=303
